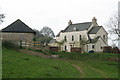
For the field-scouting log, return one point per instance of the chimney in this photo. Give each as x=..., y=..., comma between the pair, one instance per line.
x=94, y=21
x=69, y=23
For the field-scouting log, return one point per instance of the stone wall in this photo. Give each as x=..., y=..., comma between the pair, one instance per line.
x=17, y=37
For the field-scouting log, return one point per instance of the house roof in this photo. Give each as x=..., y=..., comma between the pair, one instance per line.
x=52, y=41
x=78, y=26
x=59, y=33
x=94, y=40
x=94, y=30
x=19, y=27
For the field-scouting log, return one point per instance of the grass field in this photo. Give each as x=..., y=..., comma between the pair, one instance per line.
x=20, y=65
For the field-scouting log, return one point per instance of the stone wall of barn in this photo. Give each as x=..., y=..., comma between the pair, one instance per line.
x=17, y=37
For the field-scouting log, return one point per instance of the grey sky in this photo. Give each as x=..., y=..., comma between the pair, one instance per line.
x=56, y=13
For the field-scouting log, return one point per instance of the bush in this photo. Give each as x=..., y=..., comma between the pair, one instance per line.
x=10, y=45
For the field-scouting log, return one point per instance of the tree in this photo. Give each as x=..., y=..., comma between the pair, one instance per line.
x=38, y=34
x=46, y=31
x=114, y=28
x=42, y=38
x=2, y=16
x=83, y=42
x=60, y=43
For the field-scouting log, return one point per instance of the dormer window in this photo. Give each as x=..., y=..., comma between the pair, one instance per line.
x=74, y=29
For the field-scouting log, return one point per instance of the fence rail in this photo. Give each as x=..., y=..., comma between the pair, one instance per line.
x=31, y=44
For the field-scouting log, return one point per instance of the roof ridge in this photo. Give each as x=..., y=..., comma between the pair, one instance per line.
x=18, y=26
x=82, y=23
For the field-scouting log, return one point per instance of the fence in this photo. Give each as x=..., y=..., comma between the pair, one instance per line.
x=35, y=44
x=54, y=49
x=109, y=49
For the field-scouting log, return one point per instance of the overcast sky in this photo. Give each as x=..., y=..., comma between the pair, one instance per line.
x=56, y=13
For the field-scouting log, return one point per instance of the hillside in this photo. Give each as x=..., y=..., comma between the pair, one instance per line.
x=20, y=65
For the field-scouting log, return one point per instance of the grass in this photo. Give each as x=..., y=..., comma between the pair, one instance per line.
x=19, y=65
x=86, y=56
x=98, y=69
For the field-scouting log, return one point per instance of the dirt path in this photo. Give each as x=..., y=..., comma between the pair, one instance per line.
x=96, y=70
x=34, y=53
x=49, y=56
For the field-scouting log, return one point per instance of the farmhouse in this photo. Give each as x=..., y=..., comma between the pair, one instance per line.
x=18, y=32
x=88, y=36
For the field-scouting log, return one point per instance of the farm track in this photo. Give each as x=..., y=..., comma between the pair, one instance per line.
x=74, y=65
x=34, y=53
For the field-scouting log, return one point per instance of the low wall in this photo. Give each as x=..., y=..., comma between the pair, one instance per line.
x=54, y=49
x=76, y=50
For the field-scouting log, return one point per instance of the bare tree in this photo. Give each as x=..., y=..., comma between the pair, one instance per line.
x=114, y=28
x=83, y=42
x=47, y=31
x=60, y=43
x=2, y=16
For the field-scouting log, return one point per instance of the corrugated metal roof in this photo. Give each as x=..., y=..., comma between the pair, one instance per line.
x=19, y=27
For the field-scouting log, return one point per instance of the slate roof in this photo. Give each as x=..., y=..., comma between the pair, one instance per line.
x=59, y=33
x=94, y=40
x=94, y=30
x=19, y=27
x=52, y=41
x=78, y=26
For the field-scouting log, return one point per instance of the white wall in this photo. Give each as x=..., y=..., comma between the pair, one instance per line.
x=69, y=35
x=98, y=45
x=102, y=32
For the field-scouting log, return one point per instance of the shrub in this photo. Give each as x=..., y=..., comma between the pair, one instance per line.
x=10, y=45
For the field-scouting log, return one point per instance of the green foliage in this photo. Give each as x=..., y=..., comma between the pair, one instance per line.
x=34, y=39
x=86, y=56
x=41, y=51
x=44, y=39
x=83, y=41
x=60, y=43
x=10, y=45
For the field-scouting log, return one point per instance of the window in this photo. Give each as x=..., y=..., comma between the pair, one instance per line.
x=74, y=29
x=65, y=38
x=92, y=46
x=80, y=37
x=72, y=38
x=65, y=47
x=103, y=36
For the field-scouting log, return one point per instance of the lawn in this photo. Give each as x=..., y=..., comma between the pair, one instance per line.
x=20, y=65
x=98, y=69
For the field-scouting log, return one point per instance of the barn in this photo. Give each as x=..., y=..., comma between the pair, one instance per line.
x=18, y=32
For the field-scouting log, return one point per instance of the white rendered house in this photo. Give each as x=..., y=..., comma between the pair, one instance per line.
x=96, y=36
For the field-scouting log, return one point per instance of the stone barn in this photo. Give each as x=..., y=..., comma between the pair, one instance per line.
x=18, y=32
